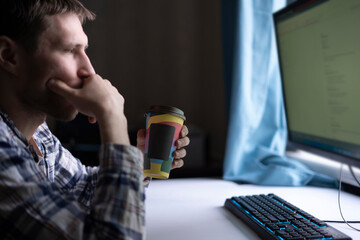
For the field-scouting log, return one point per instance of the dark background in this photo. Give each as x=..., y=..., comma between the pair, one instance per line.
x=159, y=52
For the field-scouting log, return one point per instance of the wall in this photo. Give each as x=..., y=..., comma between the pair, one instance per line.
x=163, y=52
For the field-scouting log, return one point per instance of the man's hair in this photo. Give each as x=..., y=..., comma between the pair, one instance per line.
x=23, y=20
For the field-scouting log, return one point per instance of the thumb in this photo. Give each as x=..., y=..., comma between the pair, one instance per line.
x=60, y=87
x=141, y=135
x=91, y=120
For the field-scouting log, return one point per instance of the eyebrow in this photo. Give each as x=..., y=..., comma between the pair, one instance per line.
x=74, y=45
x=80, y=45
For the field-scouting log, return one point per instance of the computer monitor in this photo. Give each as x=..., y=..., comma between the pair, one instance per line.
x=319, y=54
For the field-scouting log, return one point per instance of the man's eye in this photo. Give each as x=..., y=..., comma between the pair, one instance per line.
x=69, y=50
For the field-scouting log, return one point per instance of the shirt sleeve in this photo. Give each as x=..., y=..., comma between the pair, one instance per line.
x=32, y=207
x=67, y=171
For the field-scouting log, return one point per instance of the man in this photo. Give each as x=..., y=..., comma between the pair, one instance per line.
x=45, y=193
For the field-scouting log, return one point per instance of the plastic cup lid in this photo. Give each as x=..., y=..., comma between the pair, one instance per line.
x=167, y=109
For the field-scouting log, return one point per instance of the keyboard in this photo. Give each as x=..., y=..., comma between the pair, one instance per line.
x=271, y=217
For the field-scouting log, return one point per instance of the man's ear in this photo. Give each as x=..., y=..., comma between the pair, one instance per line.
x=7, y=54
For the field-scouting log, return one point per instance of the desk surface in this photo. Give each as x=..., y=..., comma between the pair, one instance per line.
x=189, y=209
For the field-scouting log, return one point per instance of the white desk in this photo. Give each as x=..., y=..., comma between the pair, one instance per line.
x=187, y=209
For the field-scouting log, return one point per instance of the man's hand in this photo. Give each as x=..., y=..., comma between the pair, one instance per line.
x=100, y=101
x=179, y=153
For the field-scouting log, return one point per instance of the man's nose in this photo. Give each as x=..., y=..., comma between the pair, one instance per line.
x=85, y=69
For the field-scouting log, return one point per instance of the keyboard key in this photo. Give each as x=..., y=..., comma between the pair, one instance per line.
x=315, y=237
x=318, y=222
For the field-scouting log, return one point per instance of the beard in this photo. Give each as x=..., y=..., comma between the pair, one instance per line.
x=50, y=104
x=60, y=109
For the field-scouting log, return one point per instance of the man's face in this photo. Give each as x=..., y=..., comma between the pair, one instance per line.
x=60, y=55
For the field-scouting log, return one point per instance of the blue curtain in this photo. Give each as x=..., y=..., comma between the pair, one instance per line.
x=257, y=132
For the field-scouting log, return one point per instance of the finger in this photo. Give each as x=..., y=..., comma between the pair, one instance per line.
x=178, y=163
x=182, y=142
x=184, y=131
x=181, y=153
x=60, y=87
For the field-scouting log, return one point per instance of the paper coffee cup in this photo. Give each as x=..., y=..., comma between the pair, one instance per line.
x=163, y=126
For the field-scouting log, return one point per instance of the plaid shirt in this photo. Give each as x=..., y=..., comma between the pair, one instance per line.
x=54, y=196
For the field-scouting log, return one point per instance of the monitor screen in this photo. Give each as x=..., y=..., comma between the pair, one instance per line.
x=319, y=55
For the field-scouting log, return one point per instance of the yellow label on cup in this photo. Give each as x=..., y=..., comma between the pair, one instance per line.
x=164, y=118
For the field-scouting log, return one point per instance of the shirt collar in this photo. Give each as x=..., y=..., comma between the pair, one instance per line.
x=12, y=126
